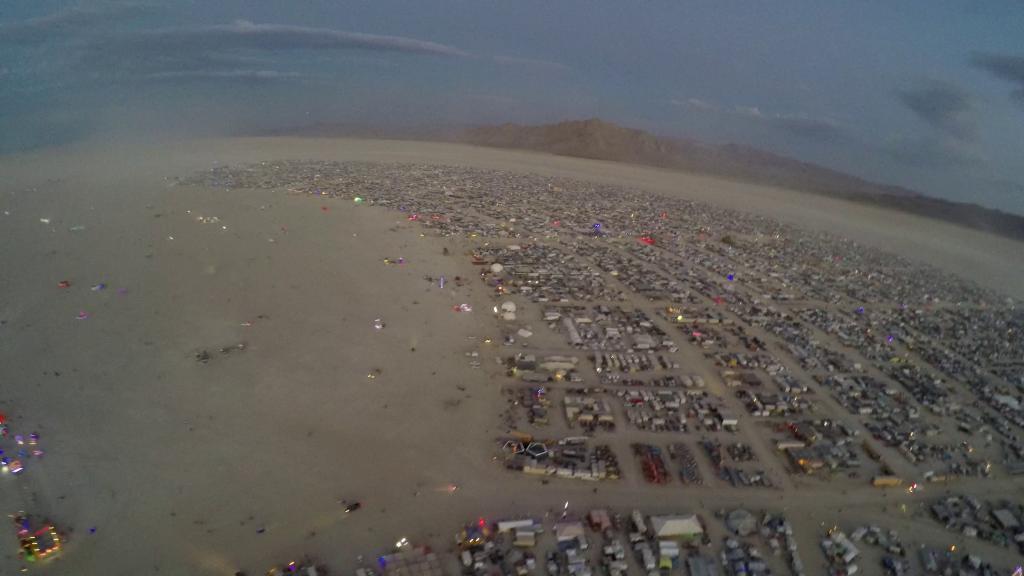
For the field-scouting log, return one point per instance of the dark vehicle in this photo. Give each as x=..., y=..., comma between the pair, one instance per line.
x=353, y=507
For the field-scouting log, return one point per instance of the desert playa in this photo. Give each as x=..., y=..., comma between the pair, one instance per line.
x=225, y=368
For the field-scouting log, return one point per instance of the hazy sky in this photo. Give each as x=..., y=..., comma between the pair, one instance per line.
x=921, y=93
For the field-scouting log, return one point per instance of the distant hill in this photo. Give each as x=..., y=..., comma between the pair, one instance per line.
x=602, y=140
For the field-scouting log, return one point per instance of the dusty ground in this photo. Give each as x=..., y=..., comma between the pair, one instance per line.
x=179, y=464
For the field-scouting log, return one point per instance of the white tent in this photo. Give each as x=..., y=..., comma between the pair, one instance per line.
x=678, y=526
x=568, y=531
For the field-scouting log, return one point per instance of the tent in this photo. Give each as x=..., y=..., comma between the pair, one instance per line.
x=678, y=526
x=537, y=449
x=741, y=522
x=569, y=531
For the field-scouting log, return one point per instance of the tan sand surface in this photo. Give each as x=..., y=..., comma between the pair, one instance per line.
x=178, y=464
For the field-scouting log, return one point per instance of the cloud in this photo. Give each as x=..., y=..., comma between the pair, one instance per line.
x=242, y=35
x=942, y=106
x=942, y=152
x=244, y=50
x=138, y=63
x=809, y=128
x=532, y=63
x=240, y=75
x=1004, y=67
x=238, y=51
x=241, y=51
x=804, y=126
x=748, y=111
x=44, y=28
x=694, y=103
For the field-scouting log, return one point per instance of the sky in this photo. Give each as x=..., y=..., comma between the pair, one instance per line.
x=924, y=94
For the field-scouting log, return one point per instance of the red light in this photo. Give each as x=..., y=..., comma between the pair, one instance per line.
x=481, y=523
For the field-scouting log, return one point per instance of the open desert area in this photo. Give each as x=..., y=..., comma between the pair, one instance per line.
x=216, y=370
